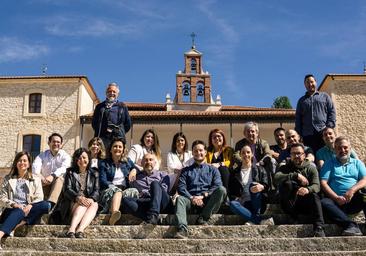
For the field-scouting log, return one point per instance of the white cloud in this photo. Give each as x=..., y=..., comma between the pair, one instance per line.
x=13, y=50
x=85, y=26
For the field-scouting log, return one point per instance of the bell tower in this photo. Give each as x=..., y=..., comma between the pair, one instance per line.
x=193, y=85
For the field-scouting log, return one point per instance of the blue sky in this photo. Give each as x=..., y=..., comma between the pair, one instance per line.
x=254, y=50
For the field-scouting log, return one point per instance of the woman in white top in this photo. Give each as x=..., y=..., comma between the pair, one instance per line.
x=179, y=156
x=97, y=151
x=149, y=143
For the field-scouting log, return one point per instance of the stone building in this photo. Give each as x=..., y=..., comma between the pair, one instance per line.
x=33, y=107
x=348, y=92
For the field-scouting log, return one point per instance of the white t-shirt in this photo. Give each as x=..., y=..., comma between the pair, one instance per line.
x=119, y=178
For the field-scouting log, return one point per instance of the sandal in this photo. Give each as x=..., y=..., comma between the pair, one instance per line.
x=70, y=235
x=79, y=234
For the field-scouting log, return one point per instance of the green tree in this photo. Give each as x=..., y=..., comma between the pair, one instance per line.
x=282, y=102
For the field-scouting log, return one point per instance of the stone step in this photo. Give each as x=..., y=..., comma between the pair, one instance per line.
x=195, y=232
x=189, y=246
x=58, y=253
x=216, y=219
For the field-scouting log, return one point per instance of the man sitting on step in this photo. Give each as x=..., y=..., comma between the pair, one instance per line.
x=199, y=186
x=342, y=178
x=153, y=186
x=298, y=183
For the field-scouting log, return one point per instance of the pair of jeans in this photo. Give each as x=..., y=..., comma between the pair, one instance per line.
x=211, y=205
x=13, y=216
x=250, y=210
x=339, y=213
x=144, y=208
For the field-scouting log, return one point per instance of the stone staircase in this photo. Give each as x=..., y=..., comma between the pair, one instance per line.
x=225, y=236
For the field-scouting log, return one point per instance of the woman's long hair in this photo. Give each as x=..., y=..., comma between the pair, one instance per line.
x=14, y=169
x=75, y=157
x=156, y=146
x=210, y=144
x=124, y=153
x=174, y=142
x=102, y=153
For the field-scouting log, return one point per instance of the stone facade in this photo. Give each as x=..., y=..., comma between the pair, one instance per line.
x=64, y=99
x=349, y=95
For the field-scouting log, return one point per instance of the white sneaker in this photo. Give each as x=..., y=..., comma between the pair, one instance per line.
x=248, y=223
x=268, y=221
x=11, y=234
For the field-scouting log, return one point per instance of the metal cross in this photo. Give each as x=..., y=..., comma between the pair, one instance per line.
x=193, y=35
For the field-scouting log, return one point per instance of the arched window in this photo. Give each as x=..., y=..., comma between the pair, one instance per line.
x=35, y=103
x=193, y=66
x=186, y=92
x=32, y=144
x=200, y=93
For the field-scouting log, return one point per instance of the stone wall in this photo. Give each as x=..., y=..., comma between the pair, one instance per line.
x=60, y=115
x=350, y=101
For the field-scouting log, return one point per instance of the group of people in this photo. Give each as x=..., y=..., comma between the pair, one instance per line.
x=318, y=176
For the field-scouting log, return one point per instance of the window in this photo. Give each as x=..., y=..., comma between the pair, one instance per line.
x=35, y=103
x=193, y=66
x=200, y=93
x=32, y=144
x=186, y=92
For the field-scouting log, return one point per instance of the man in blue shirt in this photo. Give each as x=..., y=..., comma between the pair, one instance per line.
x=314, y=112
x=199, y=186
x=341, y=179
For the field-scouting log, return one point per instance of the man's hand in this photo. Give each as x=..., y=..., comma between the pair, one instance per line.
x=217, y=165
x=302, y=191
x=303, y=181
x=341, y=200
x=198, y=201
x=256, y=188
x=47, y=180
x=349, y=194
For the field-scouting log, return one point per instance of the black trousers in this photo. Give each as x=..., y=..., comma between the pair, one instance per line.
x=294, y=204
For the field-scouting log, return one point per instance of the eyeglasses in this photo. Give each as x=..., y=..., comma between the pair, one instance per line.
x=297, y=154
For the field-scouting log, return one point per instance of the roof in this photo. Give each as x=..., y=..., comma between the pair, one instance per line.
x=88, y=85
x=155, y=112
x=324, y=84
x=193, y=51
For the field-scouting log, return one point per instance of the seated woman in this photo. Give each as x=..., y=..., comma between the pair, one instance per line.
x=114, y=175
x=22, y=196
x=80, y=194
x=219, y=154
x=97, y=151
x=248, y=185
x=179, y=156
x=149, y=143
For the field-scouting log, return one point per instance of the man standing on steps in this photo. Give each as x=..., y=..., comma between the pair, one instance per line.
x=153, y=186
x=200, y=187
x=342, y=178
x=298, y=183
x=314, y=111
x=111, y=118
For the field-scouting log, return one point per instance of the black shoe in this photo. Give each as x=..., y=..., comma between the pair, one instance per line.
x=79, y=234
x=153, y=219
x=70, y=235
x=319, y=231
x=201, y=221
x=182, y=233
x=352, y=230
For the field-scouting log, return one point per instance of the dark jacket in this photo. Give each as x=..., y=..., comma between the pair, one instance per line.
x=116, y=117
x=107, y=170
x=291, y=171
x=71, y=190
x=236, y=188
